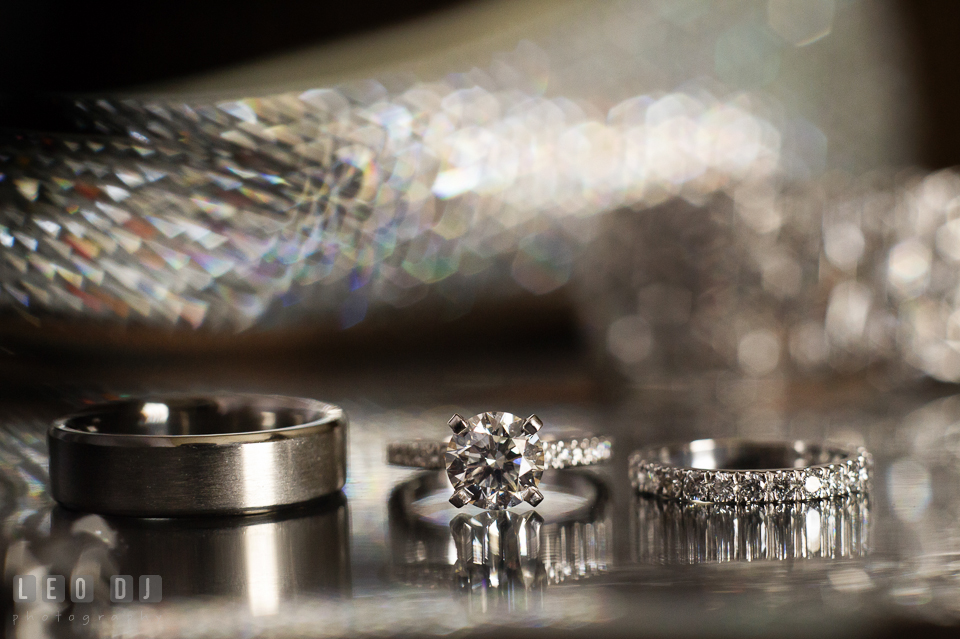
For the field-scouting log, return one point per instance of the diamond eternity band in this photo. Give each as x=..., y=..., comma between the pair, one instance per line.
x=740, y=471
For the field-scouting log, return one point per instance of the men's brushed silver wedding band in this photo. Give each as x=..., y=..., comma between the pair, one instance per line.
x=180, y=455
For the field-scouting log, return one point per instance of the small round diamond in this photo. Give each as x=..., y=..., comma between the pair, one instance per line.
x=697, y=486
x=494, y=461
x=812, y=485
x=724, y=488
x=753, y=487
x=830, y=479
x=651, y=478
x=641, y=477
x=781, y=486
x=671, y=483
x=851, y=476
x=865, y=463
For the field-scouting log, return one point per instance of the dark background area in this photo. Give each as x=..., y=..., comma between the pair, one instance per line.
x=51, y=48
x=81, y=47
x=55, y=48
x=932, y=29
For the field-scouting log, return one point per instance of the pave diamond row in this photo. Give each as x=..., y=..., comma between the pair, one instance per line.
x=568, y=453
x=418, y=454
x=557, y=454
x=821, y=481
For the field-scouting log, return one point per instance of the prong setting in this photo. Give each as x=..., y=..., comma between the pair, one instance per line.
x=458, y=425
x=534, y=496
x=461, y=498
x=532, y=425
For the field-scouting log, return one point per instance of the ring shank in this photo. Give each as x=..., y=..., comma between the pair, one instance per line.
x=106, y=460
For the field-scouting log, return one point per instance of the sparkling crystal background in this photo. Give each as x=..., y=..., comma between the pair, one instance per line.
x=671, y=168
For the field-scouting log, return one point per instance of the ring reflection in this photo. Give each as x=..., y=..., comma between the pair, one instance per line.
x=668, y=532
x=498, y=558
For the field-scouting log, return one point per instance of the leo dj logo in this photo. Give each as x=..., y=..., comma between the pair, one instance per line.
x=53, y=589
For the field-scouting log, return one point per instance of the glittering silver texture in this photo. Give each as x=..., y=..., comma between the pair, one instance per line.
x=209, y=214
x=686, y=195
x=486, y=181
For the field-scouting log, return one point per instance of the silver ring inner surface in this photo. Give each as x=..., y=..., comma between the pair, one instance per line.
x=191, y=416
x=721, y=454
x=167, y=456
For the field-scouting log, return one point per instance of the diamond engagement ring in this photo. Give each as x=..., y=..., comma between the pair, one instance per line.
x=743, y=471
x=495, y=460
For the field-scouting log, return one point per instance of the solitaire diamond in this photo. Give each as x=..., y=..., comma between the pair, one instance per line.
x=495, y=460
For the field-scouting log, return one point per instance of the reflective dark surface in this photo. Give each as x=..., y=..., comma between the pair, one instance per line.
x=258, y=560
x=638, y=566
